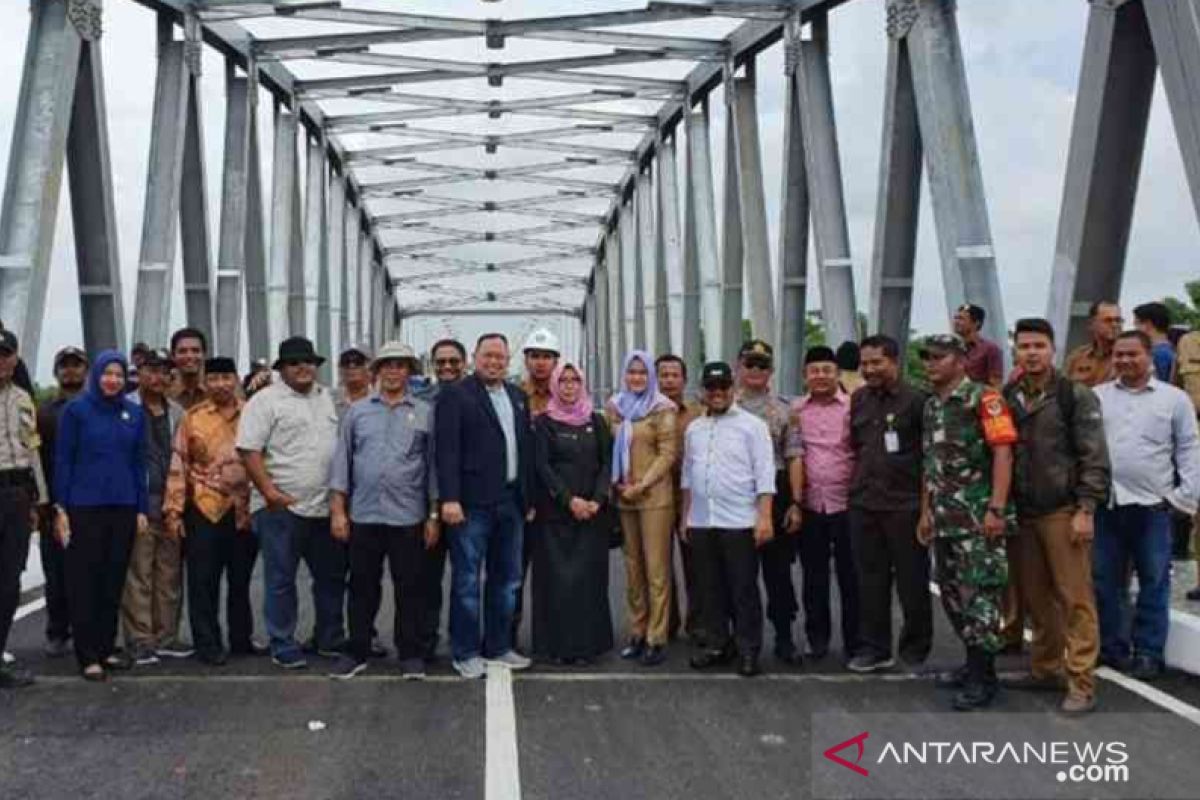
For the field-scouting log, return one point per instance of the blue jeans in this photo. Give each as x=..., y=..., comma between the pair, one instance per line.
x=1140, y=534
x=490, y=536
x=285, y=538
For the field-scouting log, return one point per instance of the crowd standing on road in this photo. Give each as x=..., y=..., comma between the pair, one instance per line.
x=1034, y=500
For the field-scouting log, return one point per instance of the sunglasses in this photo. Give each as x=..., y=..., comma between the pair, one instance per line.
x=718, y=386
x=447, y=362
x=756, y=363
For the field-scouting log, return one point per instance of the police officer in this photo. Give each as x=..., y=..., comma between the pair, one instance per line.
x=22, y=488
x=756, y=365
x=968, y=435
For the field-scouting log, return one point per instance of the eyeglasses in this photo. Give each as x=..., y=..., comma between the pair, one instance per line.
x=756, y=363
x=447, y=362
x=720, y=386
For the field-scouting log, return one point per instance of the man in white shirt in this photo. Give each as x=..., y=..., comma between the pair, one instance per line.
x=728, y=484
x=1150, y=427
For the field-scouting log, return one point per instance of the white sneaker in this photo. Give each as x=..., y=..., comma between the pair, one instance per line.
x=471, y=669
x=512, y=659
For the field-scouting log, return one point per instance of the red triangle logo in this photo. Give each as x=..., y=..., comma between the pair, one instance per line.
x=832, y=753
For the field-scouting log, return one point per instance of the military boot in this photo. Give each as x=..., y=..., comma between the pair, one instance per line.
x=979, y=689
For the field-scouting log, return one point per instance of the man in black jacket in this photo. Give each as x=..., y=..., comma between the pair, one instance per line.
x=484, y=454
x=1060, y=476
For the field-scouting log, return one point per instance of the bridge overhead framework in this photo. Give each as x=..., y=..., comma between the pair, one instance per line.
x=427, y=165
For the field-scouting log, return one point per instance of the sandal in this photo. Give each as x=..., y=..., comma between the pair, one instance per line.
x=95, y=673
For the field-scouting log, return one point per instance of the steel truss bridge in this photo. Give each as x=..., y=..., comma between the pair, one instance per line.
x=428, y=165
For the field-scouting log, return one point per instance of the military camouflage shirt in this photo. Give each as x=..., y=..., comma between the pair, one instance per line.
x=958, y=435
x=775, y=411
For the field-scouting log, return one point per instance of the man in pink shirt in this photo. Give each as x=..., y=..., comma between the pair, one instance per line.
x=820, y=466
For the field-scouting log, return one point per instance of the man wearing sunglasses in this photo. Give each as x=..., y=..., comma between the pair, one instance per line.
x=286, y=439
x=968, y=437
x=756, y=366
x=354, y=378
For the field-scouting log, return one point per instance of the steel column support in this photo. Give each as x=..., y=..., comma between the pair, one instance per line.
x=630, y=279
x=603, y=331
x=952, y=159
x=899, y=201
x=335, y=270
x=793, y=227
x=194, y=229
x=618, y=340
x=349, y=318
x=61, y=117
x=316, y=248
x=285, y=296
x=235, y=209
x=701, y=280
x=1175, y=29
x=646, y=323
x=362, y=284
x=731, y=241
x=752, y=206
x=669, y=281
x=831, y=235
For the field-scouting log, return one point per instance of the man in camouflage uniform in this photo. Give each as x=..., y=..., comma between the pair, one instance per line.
x=755, y=368
x=968, y=436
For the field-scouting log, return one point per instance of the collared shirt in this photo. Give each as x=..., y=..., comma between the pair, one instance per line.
x=1163, y=355
x=1088, y=365
x=885, y=432
x=727, y=465
x=1151, y=435
x=19, y=440
x=382, y=461
x=820, y=434
x=773, y=410
x=539, y=397
x=984, y=361
x=184, y=396
x=296, y=433
x=508, y=422
x=205, y=468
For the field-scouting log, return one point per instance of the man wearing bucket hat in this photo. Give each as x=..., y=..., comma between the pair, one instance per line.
x=382, y=502
x=286, y=438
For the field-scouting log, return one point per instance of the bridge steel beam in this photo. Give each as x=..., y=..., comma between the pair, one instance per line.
x=335, y=260
x=61, y=119
x=316, y=248
x=631, y=277
x=899, y=200
x=752, y=206
x=285, y=297
x=616, y=304
x=732, y=243
x=648, y=264
x=701, y=278
x=668, y=282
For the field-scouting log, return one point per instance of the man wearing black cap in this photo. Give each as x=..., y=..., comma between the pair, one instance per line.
x=152, y=600
x=354, y=378
x=208, y=499
x=728, y=482
x=755, y=369
x=70, y=372
x=22, y=488
x=286, y=439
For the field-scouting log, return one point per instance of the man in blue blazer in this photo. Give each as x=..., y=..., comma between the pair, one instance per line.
x=484, y=455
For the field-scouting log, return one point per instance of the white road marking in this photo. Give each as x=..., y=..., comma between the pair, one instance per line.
x=502, y=772
x=32, y=607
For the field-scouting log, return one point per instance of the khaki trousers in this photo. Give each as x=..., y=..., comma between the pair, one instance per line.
x=647, y=544
x=1056, y=584
x=150, y=604
x=1013, y=607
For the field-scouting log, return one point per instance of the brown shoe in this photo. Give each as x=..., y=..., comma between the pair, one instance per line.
x=1077, y=703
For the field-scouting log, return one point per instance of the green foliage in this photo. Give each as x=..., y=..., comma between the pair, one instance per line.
x=1186, y=313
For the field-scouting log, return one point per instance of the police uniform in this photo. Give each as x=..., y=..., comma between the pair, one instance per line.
x=776, y=556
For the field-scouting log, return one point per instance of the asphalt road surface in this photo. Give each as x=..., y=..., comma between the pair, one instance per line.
x=612, y=730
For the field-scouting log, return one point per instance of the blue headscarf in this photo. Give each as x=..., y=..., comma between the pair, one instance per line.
x=101, y=363
x=631, y=407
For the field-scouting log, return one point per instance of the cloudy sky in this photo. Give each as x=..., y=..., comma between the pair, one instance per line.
x=1022, y=69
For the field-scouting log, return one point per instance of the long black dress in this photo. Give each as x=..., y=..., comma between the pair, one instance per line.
x=571, y=617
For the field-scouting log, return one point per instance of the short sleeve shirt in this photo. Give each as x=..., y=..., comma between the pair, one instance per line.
x=958, y=436
x=984, y=361
x=296, y=433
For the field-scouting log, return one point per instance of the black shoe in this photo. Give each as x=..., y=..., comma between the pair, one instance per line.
x=953, y=678
x=979, y=688
x=1146, y=668
x=710, y=658
x=250, y=648
x=1119, y=663
x=56, y=648
x=870, y=662
x=378, y=650
x=748, y=666
x=817, y=652
x=1193, y=595
x=654, y=655
x=213, y=658
x=347, y=667
x=118, y=662
x=14, y=677
x=634, y=649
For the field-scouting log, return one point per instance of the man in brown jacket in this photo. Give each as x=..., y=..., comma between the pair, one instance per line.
x=1061, y=475
x=1091, y=364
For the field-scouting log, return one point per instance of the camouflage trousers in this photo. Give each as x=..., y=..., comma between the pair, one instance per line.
x=972, y=572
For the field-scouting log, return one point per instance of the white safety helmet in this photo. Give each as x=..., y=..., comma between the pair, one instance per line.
x=542, y=339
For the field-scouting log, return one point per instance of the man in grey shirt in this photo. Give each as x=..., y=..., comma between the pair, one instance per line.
x=1150, y=427
x=286, y=438
x=380, y=499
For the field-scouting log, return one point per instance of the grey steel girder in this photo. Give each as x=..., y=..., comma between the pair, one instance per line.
x=668, y=284
x=701, y=281
x=316, y=250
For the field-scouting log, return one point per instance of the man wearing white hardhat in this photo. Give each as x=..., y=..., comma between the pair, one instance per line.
x=541, y=357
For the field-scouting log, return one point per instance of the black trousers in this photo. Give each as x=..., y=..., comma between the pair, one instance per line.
x=15, y=502
x=54, y=568
x=409, y=564
x=776, y=558
x=434, y=577
x=727, y=568
x=213, y=549
x=886, y=551
x=533, y=530
x=97, y=559
x=825, y=537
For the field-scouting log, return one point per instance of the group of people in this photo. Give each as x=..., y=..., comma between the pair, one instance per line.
x=1038, y=496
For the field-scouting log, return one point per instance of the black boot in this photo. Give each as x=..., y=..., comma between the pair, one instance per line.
x=952, y=678
x=980, y=686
